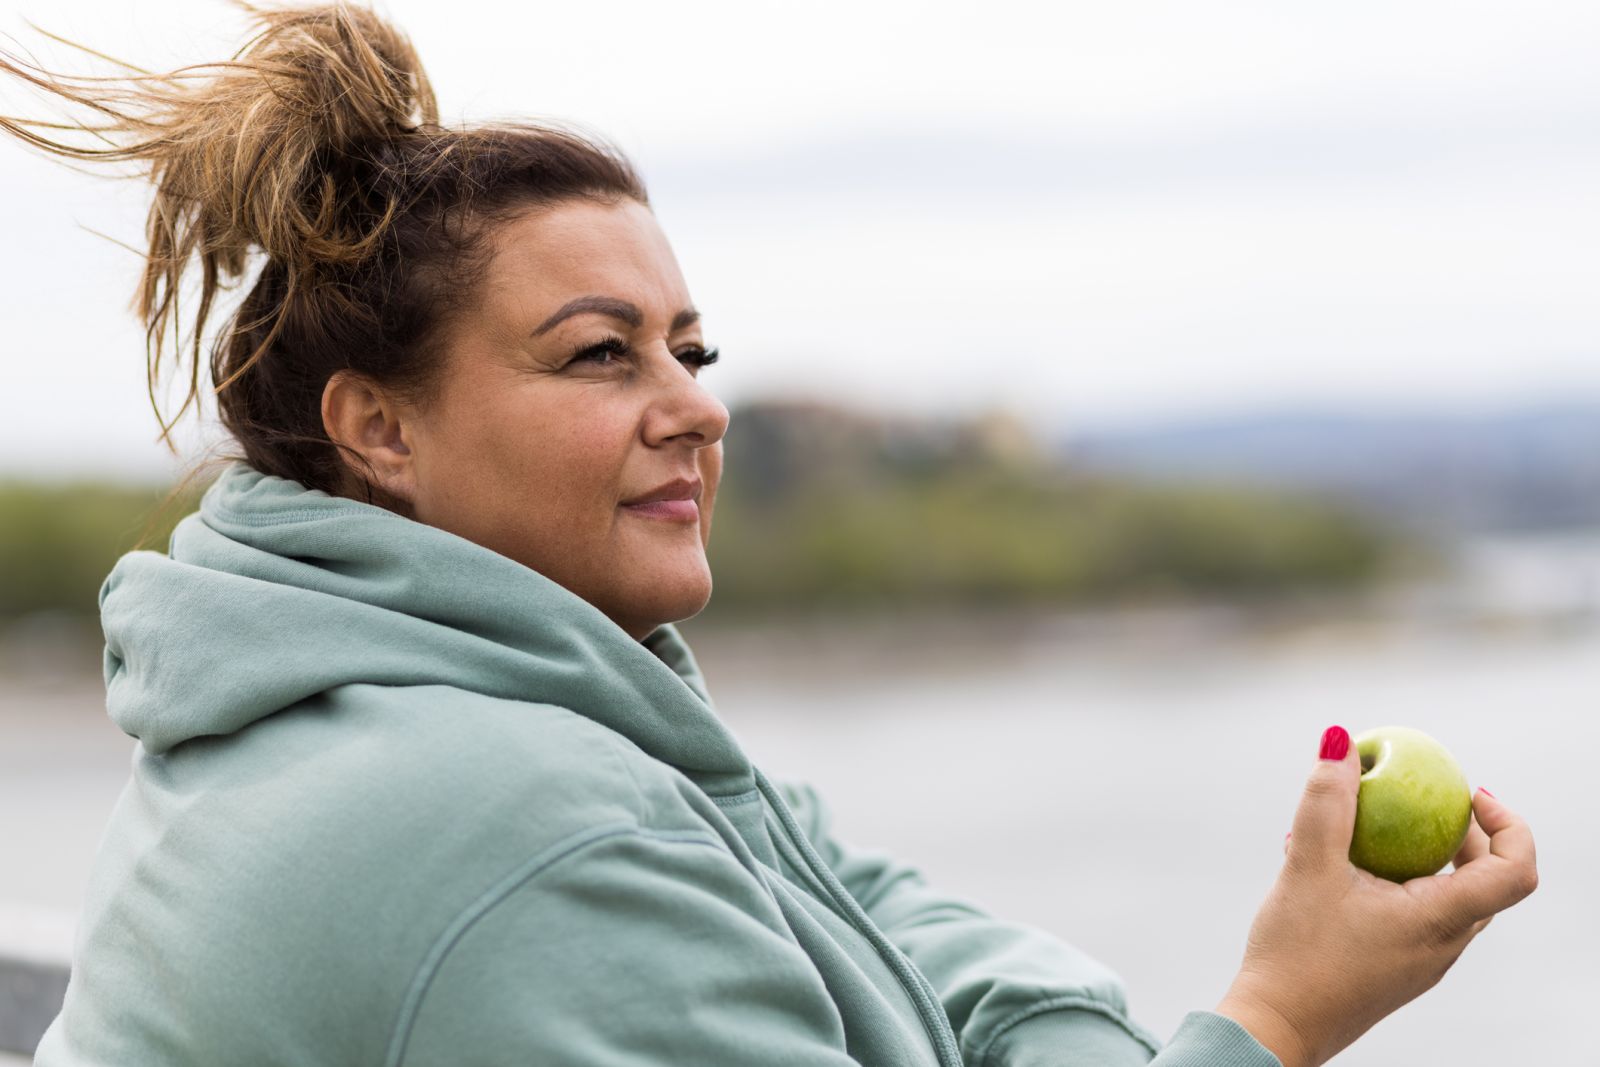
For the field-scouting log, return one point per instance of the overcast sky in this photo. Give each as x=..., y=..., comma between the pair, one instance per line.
x=1090, y=213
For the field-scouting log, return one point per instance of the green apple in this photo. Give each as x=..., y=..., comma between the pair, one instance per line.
x=1414, y=806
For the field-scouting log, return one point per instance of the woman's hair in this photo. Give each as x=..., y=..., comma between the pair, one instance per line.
x=315, y=152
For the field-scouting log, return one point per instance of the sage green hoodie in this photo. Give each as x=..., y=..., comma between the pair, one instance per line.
x=398, y=800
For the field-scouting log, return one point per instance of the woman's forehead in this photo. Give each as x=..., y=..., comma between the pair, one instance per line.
x=546, y=259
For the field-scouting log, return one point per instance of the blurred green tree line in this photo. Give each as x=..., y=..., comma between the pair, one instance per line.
x=828, y=508
x=820, y=507
x=58, y=541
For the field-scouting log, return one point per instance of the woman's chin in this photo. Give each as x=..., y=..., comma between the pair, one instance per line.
x=672, y=596
x=688, y=600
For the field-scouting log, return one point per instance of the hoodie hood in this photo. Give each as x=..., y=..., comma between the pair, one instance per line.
x=272, y=593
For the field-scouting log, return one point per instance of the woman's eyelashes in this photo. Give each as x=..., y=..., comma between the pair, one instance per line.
x=610, y=350
x=699, y=357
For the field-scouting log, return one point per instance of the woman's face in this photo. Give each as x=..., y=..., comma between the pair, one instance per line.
x=571, y=392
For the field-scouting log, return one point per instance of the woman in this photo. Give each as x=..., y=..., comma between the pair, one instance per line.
x=425, y=772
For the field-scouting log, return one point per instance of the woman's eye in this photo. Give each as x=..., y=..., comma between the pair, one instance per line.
x=600, y=353
x=610, y=350
x=698, y=357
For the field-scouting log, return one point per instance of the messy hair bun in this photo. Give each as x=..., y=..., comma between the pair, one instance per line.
x=316, y=153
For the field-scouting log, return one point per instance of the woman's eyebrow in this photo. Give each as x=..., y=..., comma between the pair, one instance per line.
x=617, y=309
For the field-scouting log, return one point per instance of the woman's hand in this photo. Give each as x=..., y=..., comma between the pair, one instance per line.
x=1335, y=949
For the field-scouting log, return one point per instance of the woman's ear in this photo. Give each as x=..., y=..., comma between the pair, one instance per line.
x=361, y=417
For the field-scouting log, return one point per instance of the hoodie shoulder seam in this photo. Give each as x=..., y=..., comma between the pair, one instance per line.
x=459, y=927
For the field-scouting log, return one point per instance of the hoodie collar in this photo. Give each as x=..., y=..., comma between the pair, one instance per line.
x=273, y=592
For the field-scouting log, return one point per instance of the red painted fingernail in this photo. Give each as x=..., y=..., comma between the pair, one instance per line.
x=1481, y=789
x=1335, y=743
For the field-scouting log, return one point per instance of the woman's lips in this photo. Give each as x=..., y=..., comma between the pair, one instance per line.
x=669, y=510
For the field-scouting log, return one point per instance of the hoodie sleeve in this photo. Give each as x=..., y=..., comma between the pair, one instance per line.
x=1016, y=996
x=625, y=946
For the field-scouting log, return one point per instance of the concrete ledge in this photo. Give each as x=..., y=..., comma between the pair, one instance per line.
x=35, y=957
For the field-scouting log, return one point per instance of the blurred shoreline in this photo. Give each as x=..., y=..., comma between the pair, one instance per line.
x=1505, y=589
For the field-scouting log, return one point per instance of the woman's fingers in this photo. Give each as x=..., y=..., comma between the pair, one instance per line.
x=1476, y=844
x=1327, y=813
x=1496, y=879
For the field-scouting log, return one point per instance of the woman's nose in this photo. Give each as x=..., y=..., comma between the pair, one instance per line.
x=684, y=407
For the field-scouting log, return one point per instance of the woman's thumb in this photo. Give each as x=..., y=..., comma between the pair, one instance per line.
x=1327, y=814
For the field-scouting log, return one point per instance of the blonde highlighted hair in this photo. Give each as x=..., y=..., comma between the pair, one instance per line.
x=313, y=160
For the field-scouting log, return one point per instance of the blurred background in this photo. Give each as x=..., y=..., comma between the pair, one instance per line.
x=1121, y=394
